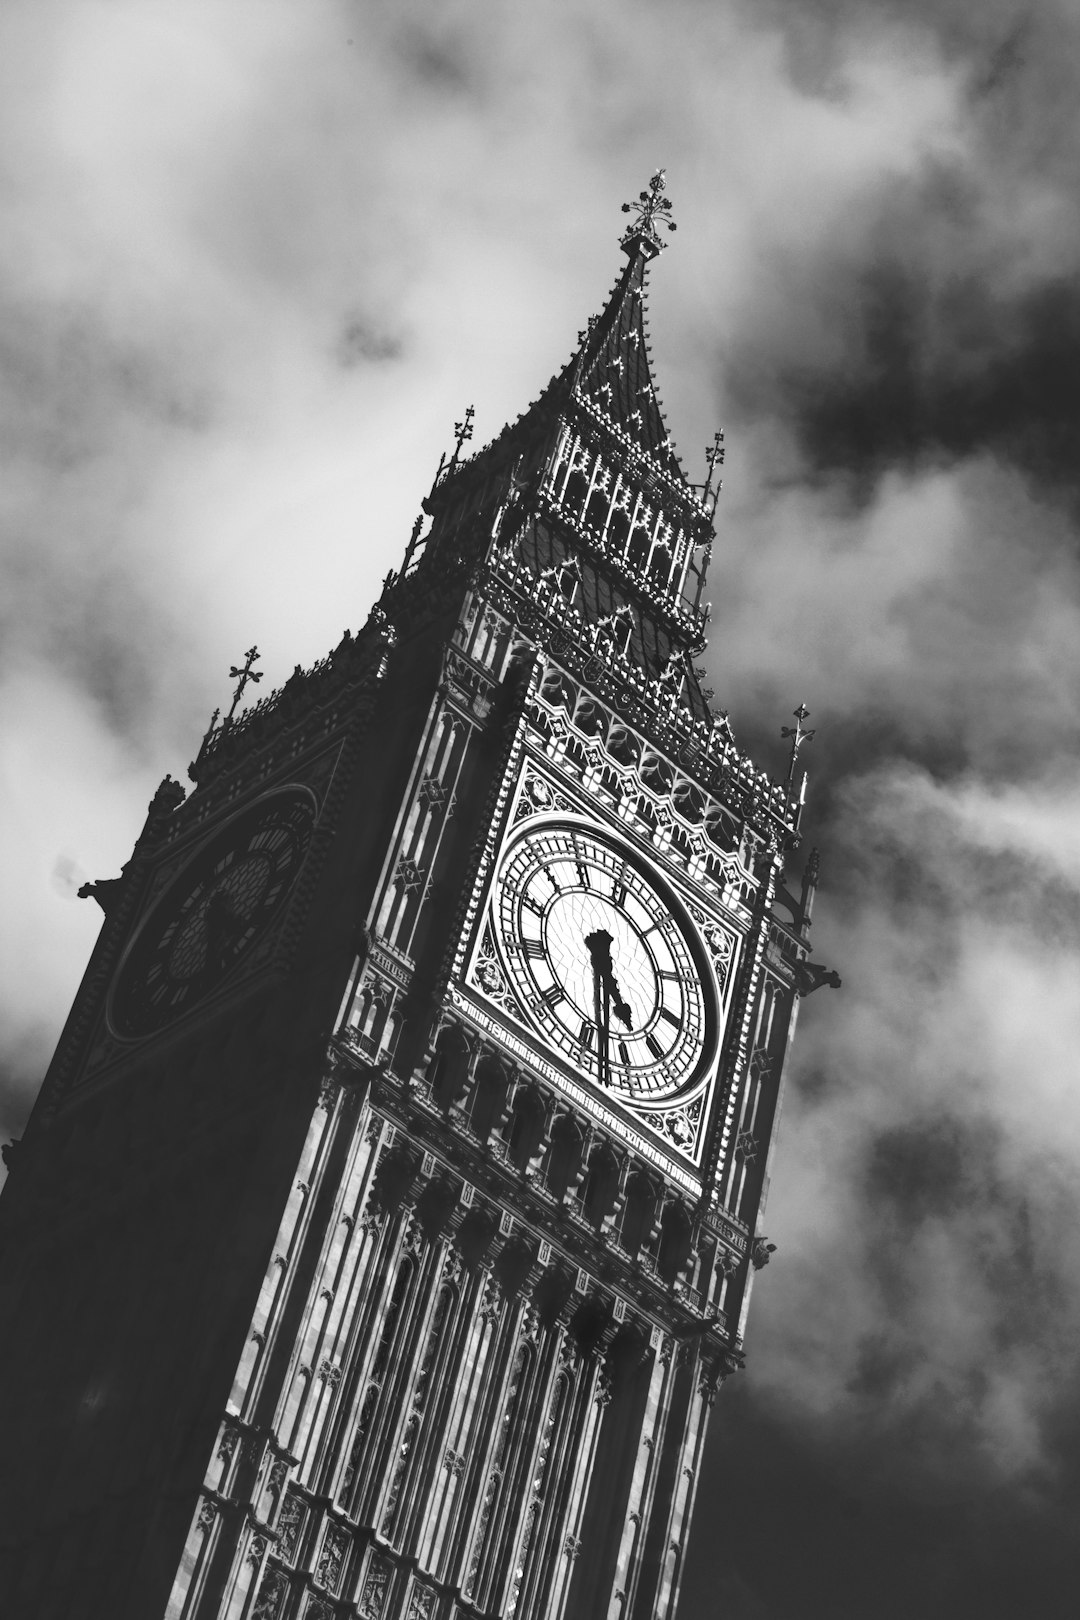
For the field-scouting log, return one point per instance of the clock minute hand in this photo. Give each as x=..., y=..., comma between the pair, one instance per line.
x=608, y=997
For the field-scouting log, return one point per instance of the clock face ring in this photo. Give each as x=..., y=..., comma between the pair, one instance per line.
x=604, y=961
x=213, y=912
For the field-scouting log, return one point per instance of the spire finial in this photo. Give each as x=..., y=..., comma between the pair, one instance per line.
x=799, y=735
x=651, y=206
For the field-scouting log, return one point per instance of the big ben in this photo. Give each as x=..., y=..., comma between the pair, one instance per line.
x=386, y=1223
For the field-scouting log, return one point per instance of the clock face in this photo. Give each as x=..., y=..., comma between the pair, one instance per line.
x=213, y=913
x=606, y=969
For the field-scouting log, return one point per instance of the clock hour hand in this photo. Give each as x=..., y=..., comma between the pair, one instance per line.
x=608, y=999
x=599, y=948
x=619, y=1007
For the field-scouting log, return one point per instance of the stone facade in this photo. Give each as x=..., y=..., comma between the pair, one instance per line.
x=404, y=1278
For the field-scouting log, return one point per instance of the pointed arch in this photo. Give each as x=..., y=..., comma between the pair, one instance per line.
x=448, y=1070
x=563, y=1155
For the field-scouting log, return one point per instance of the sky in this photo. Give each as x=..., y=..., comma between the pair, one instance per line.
x=255, y=259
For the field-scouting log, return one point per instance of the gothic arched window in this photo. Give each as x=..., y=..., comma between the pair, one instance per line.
x=638, y=550
x=675, y=1234
x=488, y=1096
x=660, y=565
x=618, y=527
x=600, y=1185
x=449, y=1069
x=638, y=1208
x=495, y=1497
x=564, y=1155
x=526, y=1127
x=597, y=510
x=577, y=487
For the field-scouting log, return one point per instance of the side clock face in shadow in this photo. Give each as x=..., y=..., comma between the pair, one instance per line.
x=213, y=913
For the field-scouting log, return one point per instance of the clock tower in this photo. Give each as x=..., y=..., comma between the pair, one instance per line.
x=387, y=1220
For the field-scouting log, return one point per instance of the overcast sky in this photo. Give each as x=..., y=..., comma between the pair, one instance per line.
x=255, y=258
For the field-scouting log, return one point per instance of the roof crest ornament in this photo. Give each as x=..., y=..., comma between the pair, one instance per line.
x=651, y=206
x=799, y=735
x=714, y=455
x=463, y=432
x=242, y=677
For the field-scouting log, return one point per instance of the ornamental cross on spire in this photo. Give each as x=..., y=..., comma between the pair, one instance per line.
x=799, y=735
x=242, y=677
x=650, y=207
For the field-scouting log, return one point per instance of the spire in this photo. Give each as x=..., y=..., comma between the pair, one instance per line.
x=611, y=368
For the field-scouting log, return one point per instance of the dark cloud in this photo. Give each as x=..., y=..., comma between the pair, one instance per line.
x=360, y=342
x=441, y=62
x=921, y=1171
x=816, y=1529
x=936, y=375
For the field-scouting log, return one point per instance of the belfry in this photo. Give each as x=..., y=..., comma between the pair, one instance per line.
x=386, y=1222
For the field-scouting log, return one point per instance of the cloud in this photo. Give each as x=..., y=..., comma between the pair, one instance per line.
x=931, y=1151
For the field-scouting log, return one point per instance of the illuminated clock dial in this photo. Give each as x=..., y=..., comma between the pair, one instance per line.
x=213, y=913
x=606, y=968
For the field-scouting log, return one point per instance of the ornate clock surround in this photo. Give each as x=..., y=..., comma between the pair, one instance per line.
x=537, y=796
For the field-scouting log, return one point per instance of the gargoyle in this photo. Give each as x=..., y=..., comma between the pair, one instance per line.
x=810, y=976
x=105, y=891
x=761, y=1252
